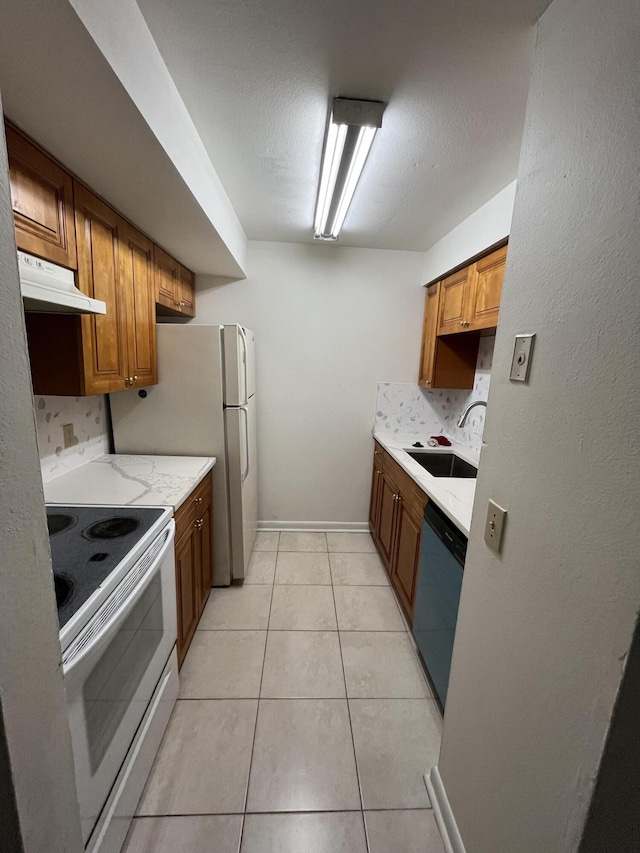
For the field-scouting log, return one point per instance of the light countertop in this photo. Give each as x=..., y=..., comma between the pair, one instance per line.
x=453, y=495
x=126, y=480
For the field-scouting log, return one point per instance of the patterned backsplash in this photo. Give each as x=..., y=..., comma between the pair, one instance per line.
x=91, y=428
x=416, y=411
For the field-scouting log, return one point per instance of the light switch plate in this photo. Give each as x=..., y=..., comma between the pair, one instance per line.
x=522, y=353
x=494, y=527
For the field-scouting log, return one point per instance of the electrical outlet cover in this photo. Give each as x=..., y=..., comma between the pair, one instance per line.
x=68, y=436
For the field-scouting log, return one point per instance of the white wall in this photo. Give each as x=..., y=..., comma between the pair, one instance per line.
x=37, y=787
x=545, y=628
x=487, y=226
x=330, y=323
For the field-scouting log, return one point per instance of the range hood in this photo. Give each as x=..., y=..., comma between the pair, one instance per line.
x=51, y=289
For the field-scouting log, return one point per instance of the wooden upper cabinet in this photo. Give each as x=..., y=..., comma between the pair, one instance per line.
x=484, y=304
x=105, y=337
x=445, y=362
x=138, y=284
x=42, y=200
x=187, y=292
x=429, y=339
x=454, y=299
x=100, y=353
x=168, y=284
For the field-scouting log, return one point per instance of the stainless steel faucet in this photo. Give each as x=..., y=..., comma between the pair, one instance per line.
x=465, y=414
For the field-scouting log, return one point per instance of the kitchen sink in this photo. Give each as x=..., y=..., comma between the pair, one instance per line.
x=444, y=464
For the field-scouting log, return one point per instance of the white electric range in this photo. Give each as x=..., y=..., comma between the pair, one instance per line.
x=114, y=574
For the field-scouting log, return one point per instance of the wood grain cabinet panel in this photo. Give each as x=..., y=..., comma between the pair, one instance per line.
x=396, y=524
x=168, y=286
x=138, y=282
x=42, y=200
x=187, y=593
x=187, y=292
x=488, y=275
x=104, y=336
x=454, y=298
x=406, y=555
x=194, y=560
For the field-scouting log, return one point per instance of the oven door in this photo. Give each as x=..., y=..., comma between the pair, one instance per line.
x=112, y=668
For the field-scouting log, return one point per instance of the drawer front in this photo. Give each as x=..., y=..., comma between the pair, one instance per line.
x=194, y=505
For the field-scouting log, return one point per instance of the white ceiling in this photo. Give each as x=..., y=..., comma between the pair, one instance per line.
x=257, y=77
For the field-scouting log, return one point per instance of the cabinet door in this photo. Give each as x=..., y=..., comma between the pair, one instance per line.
x=429, y=339
x=187, y=596
x=406, y=553
x=486, y=290
x=138, y=285
x=168, y=286
x=374, y=504
x=187, y=293
x=205, y=529
x=42, y=199
x=386, y=518
x=454, y=297
x=104, y=336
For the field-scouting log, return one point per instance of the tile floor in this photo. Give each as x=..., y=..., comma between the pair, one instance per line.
x=304, y=723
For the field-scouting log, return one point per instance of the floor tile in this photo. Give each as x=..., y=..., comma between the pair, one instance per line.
x=303, y=665
x=187, y=834
x=381, y=665
x=303, y=542
x=302, y=608
x=351, y=542
x=397, y=741
x=237, y=607
x=367, y=608
x=403, y=832
x=358, y=570
x=266, y=540
x=261, y=568
x=202, y=765
x=336, y=832
x=302, y=567
x=223, y=665
x=303, y=757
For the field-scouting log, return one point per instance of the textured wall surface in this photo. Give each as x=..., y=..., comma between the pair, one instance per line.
x=34, y=705
x=545, y=627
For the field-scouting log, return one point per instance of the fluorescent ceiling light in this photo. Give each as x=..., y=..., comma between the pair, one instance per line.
x=350, y=134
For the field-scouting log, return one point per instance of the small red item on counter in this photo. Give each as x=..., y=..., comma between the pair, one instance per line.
x=442, y=440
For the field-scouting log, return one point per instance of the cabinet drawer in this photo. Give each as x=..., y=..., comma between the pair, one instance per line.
x=411, y=493
x=194, y=505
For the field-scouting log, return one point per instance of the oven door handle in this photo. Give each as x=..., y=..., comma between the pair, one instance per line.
x=82, y=647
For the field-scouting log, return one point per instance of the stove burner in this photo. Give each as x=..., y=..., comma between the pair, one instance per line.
x=57, y=522
x=112, y=528
x=64, y=589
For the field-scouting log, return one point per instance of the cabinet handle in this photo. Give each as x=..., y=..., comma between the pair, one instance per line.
x=126, y=381
x=198, y=523
x=197, y=500
x=396, y=497
x=180, y=304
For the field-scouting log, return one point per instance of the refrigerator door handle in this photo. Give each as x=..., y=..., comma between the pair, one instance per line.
x=245, y=354
x=243, y=409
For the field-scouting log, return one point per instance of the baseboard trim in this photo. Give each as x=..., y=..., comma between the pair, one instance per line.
x=319, y=526
x=443, y=813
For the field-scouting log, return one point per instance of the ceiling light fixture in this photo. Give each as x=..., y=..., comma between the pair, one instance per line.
x=350, y=134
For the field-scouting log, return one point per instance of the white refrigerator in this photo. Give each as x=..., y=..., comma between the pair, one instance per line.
x=203, y=405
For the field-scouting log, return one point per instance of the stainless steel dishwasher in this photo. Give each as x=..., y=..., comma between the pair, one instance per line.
x=442, y=555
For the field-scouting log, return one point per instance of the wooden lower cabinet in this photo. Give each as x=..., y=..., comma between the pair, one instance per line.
x=194, y=561
x=395, y=522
